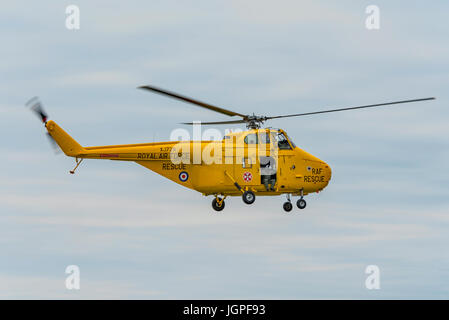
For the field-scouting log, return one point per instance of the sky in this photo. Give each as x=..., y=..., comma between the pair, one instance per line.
x=136, y=235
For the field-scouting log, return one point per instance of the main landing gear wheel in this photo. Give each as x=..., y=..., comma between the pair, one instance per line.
x=301, y=203
x=248, y=197
x=218, y=206
x=288, y=206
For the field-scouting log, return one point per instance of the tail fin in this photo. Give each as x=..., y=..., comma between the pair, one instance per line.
x=64, y=140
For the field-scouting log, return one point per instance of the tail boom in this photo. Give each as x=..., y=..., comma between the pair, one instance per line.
x=68, y=145
x=156, y=151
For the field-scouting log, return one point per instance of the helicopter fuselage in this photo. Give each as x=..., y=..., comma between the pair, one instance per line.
x=241, y=161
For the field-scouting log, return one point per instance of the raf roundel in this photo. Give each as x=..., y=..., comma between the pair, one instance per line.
x=183, y=176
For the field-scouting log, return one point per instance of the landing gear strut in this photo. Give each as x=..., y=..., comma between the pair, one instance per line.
x=301, y=203
x=78, y=162
x=218, y=203
x=288, y=205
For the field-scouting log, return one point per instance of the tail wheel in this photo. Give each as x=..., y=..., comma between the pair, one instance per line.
x=249, y=197
x=218, y=206
x=301, y=203
x=288, y=206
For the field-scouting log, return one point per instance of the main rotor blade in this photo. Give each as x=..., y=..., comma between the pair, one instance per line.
x=193, y=101
x=351, y=108
x=215, y=122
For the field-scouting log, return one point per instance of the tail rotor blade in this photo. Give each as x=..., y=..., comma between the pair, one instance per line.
x=36, y=107
x=53, y=143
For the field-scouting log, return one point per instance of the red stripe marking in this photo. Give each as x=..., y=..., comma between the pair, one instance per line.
x=109, y=155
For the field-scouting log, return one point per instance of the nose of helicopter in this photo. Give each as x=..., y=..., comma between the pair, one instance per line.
x=327, y=172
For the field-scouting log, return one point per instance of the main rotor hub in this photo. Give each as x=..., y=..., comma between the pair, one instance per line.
x=254, y=122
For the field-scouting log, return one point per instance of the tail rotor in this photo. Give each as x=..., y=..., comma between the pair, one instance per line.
x=36, y=107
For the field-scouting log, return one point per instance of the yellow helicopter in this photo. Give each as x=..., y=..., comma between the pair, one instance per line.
x=258, y=161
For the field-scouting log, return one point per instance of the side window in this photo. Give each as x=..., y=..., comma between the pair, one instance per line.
x=264, y=138
x=251, y=139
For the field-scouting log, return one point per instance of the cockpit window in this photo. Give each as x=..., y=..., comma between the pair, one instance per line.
x=282, y=141
x=291, y=142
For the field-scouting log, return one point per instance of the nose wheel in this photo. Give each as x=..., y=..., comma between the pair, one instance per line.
x=287, y=206
x=301, y=203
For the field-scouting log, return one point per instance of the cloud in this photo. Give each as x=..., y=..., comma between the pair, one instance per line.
x=98, y=78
